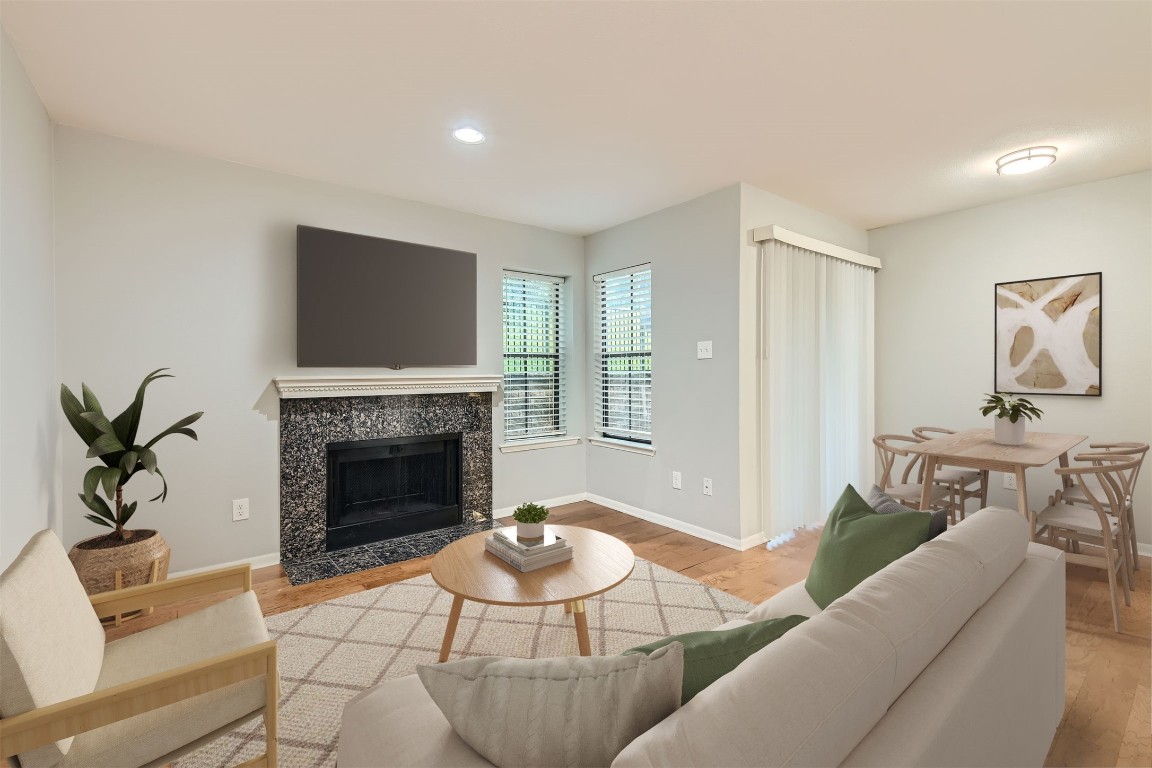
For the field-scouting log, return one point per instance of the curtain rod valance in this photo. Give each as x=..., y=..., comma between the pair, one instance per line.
x=773, y=232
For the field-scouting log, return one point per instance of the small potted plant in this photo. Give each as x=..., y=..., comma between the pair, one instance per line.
x=530, y=519
x=1008, y=423
x=123, y=558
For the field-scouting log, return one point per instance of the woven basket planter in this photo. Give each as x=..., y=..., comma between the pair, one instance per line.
x=134, y=560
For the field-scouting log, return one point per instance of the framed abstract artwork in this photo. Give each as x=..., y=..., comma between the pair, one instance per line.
x=1048, y=336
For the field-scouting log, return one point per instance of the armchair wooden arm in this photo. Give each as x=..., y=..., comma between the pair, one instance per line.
x=85, y=713
x=172, y=590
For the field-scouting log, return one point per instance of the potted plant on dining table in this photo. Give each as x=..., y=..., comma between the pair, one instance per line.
x=1012, y=413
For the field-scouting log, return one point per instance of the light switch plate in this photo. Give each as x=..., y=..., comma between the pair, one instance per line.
x=704, y=350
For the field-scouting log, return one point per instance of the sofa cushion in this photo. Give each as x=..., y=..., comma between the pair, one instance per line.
x=711, y=654
x=886, y=505
x=574, y=711
x=397, y=725
x=806, y=699
x=790, y=601
x=857, y=542
x=229, y=626
x=51, y=643
x=997, y=537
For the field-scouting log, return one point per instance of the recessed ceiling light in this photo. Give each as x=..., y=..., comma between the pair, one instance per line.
x=1026, y=160
x=468, y=135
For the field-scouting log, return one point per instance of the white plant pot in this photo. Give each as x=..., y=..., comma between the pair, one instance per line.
x=530, y=531
x=1008, y=433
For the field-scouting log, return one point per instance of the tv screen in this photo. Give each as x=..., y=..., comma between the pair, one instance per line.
x=367, y=301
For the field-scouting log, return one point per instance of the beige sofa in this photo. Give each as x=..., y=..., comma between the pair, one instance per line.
x=953, y=655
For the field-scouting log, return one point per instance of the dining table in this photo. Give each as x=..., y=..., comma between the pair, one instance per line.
x=977, y=449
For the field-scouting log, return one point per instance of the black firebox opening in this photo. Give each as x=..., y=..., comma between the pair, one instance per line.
x=397, y=486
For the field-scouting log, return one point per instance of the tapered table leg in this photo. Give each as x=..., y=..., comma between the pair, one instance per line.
x=581, y=628
x=450, y=630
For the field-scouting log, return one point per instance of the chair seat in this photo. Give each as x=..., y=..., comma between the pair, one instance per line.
x=949, y=475
x=1075, y=519
x=167, y=732
x=912, y=492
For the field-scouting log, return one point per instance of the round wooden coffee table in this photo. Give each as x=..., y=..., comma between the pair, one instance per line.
x=464, y=569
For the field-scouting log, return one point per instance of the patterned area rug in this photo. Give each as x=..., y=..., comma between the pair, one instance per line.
x=331, y=651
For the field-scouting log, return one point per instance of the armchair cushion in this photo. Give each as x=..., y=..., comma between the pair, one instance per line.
x=51, y=643
x=232, y=625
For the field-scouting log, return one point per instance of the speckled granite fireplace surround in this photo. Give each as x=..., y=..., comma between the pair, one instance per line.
x=308, y=424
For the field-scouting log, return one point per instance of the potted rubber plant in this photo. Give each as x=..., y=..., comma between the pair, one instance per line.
x=1011, y=415
x=123, y=557
x=530, y=519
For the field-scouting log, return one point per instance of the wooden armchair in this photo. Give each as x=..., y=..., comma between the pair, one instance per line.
x=69, y=699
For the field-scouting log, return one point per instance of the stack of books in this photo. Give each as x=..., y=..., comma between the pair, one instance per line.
x=550, y=550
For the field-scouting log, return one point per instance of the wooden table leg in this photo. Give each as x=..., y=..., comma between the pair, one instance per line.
x=567, y=607
x=450, y=630
x=581, y=628
x=929, y=475
x=1022, y=500
x=983, y=488
x=1065, y=480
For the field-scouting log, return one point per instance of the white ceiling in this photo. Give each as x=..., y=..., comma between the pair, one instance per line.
x=598, y=112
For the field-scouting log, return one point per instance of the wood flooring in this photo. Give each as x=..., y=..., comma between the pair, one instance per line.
x=1108, y=697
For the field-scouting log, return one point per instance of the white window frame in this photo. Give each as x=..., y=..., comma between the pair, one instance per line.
x=547, y=293
x=623, y=329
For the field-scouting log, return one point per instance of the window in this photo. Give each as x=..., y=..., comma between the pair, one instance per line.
x=534, y=366
x=623, y=355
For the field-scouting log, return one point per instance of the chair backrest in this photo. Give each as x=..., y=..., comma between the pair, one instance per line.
x=929, y=433
x=1112, y=471
x=888, y=447
x=1135, y=450
x=51, y=643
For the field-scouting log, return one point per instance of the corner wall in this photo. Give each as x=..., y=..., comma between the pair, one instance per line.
x=934, y=319
x=29, y=424
x=169, y=259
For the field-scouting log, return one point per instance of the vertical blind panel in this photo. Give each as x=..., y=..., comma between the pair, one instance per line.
x=534, y=357
x=622, y=359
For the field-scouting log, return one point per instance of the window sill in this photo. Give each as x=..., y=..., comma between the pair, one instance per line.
x=535, y=445
x=623, y=445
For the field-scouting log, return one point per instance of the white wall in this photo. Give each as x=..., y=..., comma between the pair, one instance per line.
x=29, y=466
x=704, y=284
x=934, y=320
x=168, y=259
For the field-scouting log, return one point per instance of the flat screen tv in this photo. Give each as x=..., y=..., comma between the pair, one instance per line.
x=367, y=301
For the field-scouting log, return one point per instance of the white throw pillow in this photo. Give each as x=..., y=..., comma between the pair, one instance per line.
x=572, y=711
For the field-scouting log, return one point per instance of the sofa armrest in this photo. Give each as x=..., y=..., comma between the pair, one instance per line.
x=172, y=590
x=38, y=727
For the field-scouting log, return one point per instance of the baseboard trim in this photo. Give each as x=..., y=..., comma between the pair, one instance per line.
x=260, y=561
x=678, y=525
x=1145, y=550
x=556, y=502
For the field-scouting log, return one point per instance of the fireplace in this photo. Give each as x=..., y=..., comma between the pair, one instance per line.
x=384, y=488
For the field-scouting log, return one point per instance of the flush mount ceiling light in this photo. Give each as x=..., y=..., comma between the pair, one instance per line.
x=468, y=135
x=1026, y=160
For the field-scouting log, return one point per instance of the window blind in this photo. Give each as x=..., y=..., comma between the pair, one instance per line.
x=622, y=361
x=534, y=364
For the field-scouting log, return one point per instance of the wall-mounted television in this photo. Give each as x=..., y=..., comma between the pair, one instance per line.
x=367, y=301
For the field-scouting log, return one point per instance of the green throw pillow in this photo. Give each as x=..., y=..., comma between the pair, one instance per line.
x=857, y=542
x=710, y=655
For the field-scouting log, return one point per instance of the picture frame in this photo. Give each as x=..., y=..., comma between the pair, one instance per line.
x=1048, y=336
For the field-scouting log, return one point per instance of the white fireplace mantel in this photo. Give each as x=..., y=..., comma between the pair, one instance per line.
x=372, y=386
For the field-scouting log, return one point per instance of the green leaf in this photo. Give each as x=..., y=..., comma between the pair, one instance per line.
x=128, y=462
x=72, y=410
x=1015, y=417
x=110, y=479
x=99, y=520
x=177, y=428
x=99, y=506
x=104, y=444
x=164, y=492
x=148, y=459
x=92, y=482
x=90, y=401
x=128, y=423
x=126, y=512
x=100, y=421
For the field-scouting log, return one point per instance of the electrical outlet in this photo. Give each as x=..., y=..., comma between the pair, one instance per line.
x=239, y=510
x=707, y=486
x=703, y=350
x=677, y=481
x=1010, y=481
